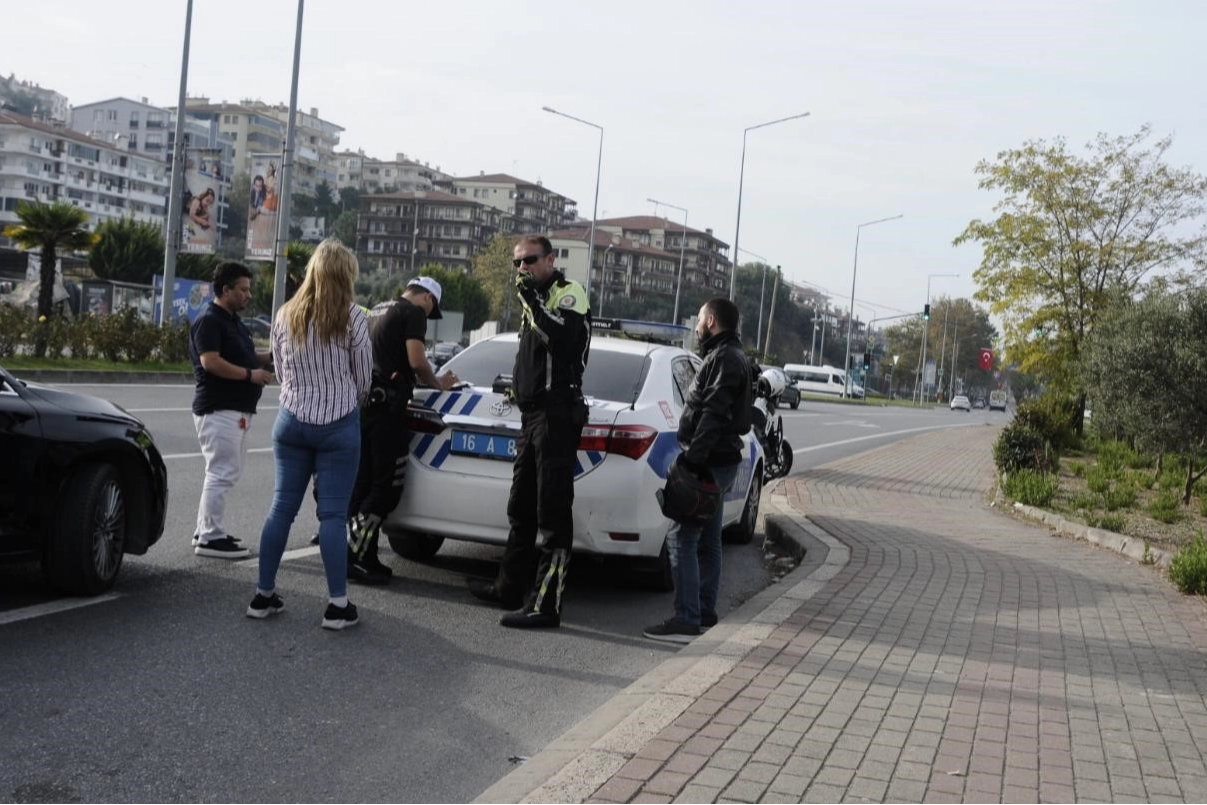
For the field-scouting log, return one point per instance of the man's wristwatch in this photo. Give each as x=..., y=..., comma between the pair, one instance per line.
x=249, y=375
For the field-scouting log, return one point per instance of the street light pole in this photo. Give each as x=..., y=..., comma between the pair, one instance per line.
x=764, y=262
x=603, y=279
x=682, y=255
x=920, y=380
x=846, y=365
x=286, y=195
x=737, y=227
x=595, y=207
x=176, y=190
x=942, y=351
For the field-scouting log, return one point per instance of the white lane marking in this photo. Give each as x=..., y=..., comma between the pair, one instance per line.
x=199, y=455
x=841, y=442
x=53, y=607
x=296, y=553
x=857, y=423
x=189, y=409
x=126, y=385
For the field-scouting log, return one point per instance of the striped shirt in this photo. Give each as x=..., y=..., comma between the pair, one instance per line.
x=321, y=383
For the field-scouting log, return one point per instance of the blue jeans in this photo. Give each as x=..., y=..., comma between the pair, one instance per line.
x=331, y=453
x=695, y=553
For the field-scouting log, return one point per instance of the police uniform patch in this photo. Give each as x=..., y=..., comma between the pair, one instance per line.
x=567, y=301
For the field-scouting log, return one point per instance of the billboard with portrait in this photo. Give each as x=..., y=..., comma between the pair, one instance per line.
x=262, y=207
x=202, y=187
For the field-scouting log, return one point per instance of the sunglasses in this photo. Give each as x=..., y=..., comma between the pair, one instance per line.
x=529, y=260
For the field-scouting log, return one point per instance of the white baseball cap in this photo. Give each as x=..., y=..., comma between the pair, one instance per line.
x=431, y=286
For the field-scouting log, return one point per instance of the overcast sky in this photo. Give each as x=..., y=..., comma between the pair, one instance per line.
x=904, y=98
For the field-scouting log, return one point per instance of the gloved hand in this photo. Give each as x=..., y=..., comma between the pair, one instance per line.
x=525, y=285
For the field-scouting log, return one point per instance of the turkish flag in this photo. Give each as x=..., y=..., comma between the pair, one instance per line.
x=986, y=359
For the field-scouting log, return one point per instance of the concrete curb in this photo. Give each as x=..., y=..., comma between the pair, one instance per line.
x=574, y=765
x=98, y=376
x=1130, y=547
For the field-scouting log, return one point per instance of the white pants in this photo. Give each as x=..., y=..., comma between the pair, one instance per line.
x=224, y=445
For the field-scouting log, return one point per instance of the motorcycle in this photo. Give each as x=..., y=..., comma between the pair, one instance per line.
x=768, y=426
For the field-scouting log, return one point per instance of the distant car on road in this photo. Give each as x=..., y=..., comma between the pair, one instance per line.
x=997, y=400
x=443, y=352
x=81, y=485
x=979, y=402
x=961, y=403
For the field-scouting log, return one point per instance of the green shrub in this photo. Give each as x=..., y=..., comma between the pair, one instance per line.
x=1122, y=496
x=1053, y=416
x=15, y=329
x=1031, y=488
x=1203, y=507
x=174, y=343
x=81, y=336
x=1113, y=456
x=1188, y=569
x=1077, y=468
x=1165, y=508
x=1086, y=502
x=1021, y=448
x=1141, y=479
x=1098, y=481
x=1140, y=461
x=1171, y=478
x=1111, y=522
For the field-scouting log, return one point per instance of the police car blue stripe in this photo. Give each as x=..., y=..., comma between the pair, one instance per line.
x=424, y=443
x=431, y=399
x=440, y=456
x=450, y=402
x=474, y=399
x=595, y=457
x=578, y=468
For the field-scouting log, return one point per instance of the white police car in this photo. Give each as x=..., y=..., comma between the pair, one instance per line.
x=464, y=441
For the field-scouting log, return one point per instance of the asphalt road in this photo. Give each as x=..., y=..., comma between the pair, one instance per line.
x=163, y=691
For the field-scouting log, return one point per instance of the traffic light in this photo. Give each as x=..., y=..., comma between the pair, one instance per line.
x=867, y=361
x=926, y=312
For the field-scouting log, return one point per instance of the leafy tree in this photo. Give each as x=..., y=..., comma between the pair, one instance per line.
x=232, y=248
x=302, y=205
x=1074, y=234
x=1146, y=373
x=197, y=266
x=127, y=250
x=955, y=334
x=494, y=273
x=460, y=292
x=349, y=199
x=325, y=205
x=344, y=228
x=50, y=228
x=238, y=198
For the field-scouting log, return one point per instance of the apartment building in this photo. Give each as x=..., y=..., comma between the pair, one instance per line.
x=706, y=257
x=527, y=207
x=621, y=266
x=250, y=131
x=27, y=98
x=402, y=231
x=41, y=162
x=148, y=129
x=400, y=174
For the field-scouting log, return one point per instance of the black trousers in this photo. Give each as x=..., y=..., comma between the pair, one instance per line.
x=541, y=505
x=385, y=446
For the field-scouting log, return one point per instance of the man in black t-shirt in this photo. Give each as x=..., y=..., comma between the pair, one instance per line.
x=230, y=377
x=398, y=331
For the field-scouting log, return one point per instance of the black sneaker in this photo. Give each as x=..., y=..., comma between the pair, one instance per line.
x=487, y=591
x=197, y=539
x=314, y=540
x=263, y=606
x=337, y=618
x=523, y=619
x=225, y=548
x=707, y=620
x=363, y=572
x=672, y=631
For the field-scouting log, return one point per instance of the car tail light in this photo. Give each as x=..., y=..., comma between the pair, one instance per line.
x=424, y=420
x=623, y=440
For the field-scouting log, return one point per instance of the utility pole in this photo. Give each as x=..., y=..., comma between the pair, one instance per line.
x=176, y=192
x=943, y=350
x=955, y=345
x=758, y=339
x=283, y=208
x=771, y=315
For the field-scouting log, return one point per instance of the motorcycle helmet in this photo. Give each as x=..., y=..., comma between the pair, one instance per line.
x=774, y=383
x=691, y=496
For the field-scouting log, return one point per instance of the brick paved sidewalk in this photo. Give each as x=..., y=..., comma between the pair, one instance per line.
x=956, y=655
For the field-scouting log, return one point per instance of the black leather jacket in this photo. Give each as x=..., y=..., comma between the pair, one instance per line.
x=717, y=413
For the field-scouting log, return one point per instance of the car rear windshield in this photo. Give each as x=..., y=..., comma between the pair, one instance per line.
x=610, y=375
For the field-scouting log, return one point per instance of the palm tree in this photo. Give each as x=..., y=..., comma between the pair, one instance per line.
x=49, y=227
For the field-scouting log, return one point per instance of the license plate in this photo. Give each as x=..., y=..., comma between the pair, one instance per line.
x=483, y=445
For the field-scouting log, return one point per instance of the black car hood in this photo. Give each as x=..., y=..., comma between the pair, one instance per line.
x=82, y=404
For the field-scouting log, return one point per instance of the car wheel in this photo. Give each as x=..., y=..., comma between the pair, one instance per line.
x=414, y=545
x=796, y=403
x=743, y=531
x=86, y=546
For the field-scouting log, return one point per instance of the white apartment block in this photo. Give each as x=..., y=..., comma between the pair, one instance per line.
x=400, y=175
x=622, y=266
x=528, y=207
x=26, y=98
x=41, y=162
x=250, y=131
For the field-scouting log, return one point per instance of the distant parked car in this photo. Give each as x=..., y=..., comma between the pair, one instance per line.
x=997, y=400
x=790, y=396
x=443, y=352
x=961, y=403
x=979, y=402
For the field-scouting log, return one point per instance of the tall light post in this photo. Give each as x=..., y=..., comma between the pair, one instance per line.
x=176, y=190
x=737, y=227
x=893, y=376
x=762, y=292
x=603, y=279
x=682, y=255
x=286, y=194
x=920, y=382
x=846, y=364
x=595, y=206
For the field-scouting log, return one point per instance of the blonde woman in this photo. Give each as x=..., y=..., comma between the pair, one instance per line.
x=320, y=346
